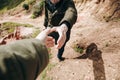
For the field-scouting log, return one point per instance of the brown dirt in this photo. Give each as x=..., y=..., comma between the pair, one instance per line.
x=86, y=31
x=104, y=64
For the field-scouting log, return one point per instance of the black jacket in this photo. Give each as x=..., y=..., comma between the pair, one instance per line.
x=62, y=12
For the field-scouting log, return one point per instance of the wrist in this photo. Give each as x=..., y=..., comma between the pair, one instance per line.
x=41, y=37
x=64, y=27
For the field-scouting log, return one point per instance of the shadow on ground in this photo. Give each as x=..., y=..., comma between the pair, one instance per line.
x=95, y=55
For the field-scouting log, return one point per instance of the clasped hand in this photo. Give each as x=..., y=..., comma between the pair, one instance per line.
x=62, y=34
x=49, y=41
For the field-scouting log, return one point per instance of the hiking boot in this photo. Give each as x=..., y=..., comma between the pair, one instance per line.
x=61, y=59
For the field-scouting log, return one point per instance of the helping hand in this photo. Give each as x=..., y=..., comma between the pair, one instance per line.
x=62, y=35
x=45, y=39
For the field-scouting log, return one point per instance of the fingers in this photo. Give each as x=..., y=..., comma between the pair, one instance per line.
x=61, y=41
x=48, y=30
x=54, y=29
x=62, y=36
x=59, y=44
x=49, y=45
x=42, y=35
x=49, y=41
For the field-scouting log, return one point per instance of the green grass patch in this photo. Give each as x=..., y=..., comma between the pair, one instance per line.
x=35, y=33
x=43, y=75
x=10, y=26
x=9, y=4
x=37, y=9
x=31, y=2
x=79, y=48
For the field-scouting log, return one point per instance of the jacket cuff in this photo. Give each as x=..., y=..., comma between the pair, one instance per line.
x=67, y=23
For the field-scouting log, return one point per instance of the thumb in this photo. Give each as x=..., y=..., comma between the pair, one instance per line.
x=59, y=42
x=42, y=35
x=54, y=29
x=46, y=31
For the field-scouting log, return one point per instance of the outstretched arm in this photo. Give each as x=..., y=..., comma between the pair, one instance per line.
x=23, y=59
x=70, y=16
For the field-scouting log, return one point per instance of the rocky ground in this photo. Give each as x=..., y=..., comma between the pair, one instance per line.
x=103, y=64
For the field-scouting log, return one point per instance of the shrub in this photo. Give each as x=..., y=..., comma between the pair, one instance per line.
x=25, y=6
x=79, y=48
x=37, y=9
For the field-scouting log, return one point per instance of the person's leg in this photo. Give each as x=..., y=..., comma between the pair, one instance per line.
x=55, y=35
x=60, y=53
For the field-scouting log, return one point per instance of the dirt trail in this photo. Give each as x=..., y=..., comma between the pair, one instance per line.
x=104, y=66
x=24, y=19
x=87, y=30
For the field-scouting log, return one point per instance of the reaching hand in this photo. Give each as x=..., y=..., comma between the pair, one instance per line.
x=47, y=40
x=62, y=35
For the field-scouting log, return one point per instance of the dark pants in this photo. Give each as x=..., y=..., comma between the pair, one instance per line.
x=60, y=51
x=55, y=35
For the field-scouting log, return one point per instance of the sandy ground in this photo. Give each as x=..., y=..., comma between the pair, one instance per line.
x=103, y=66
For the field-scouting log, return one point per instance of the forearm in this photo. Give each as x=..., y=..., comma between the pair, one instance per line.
x=36, y=54
x=70, y=16
x=31, y=57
